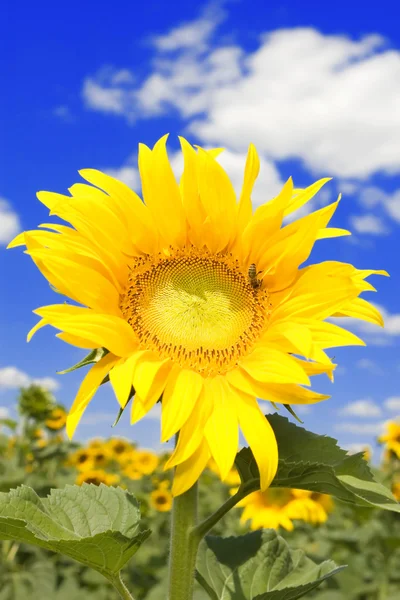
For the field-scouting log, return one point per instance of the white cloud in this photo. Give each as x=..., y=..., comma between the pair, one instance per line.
x=194, y=35
x=393, y=404
x=99, y=417
x=14, y=378
x=9, y=222
x=366, y=408
x=360, y=428
x=369, y=224
x=358, y=447
x=372, y=196
x=4, y=412
x=369, y=365
x=63, y=112
x=301, y=94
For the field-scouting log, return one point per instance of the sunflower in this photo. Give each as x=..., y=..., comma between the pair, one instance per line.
x=132, y=472
x=145, y=461
x=121, y=450
x=161, y=499
x=317, y=505
x=97, y=476
x=396, y=490
x=273, y=508
x=57, y=419
x=100, y=456
x=81, y=459
x=196, y=299
x=391, y=439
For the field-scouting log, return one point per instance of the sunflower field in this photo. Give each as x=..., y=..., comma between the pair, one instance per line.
x=35, y=452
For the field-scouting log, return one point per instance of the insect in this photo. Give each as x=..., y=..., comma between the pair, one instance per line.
x=252, y=273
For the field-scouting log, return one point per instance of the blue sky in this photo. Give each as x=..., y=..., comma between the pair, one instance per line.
x=316, y=87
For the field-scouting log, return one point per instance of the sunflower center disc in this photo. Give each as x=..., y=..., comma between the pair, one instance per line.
x=201, y=311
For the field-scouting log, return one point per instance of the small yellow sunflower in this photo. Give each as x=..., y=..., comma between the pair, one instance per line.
x=121, y=450
x=197, y=299
x=57, y=419
x=96, y=443
x=145, y=461
x=396, y=490
x=132, y=472
x=391, y=438
x=101, y=456
x=97, y=476
x=318, y=506
x=81, y=459
x=161, y=499
x=272, y=508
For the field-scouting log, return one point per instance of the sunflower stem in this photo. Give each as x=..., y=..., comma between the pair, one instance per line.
x=121, y=587
x=183, y=552
x=199, y=531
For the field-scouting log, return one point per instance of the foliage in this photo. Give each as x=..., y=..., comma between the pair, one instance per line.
x=356, y=532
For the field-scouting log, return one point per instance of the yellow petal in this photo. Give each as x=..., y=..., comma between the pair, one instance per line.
x=138, y=218
x=303, y=196
x=259, y=435
x=271, y=365
x=192, y=432
x=106, y=331
x=161, y=193
x=88, y=388
x=360, y=309
x=328, y=335
x=221, y=429
x=219, y=200
x=121, y=379
x=251, y=172
x=331, y=232
x=150, y=370
x=188, y=472
x=179, y=398
x=75, y=340
x=83, y=284
x=274, y=392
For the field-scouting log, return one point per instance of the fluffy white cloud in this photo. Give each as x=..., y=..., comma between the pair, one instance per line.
x=370, y=224
x=360, y=428
x=372, y=196
x=14, y=378
x=4, y=413
x=9, y=222
x=358, y=447
x=369, y=365
x=301, y=94
x=361, y=408
x=393, y=404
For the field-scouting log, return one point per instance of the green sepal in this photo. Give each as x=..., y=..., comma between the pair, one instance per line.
x=93, y=357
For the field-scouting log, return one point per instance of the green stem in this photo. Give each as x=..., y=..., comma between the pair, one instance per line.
x=120, y=587
x=182, y=561
x=203, y=528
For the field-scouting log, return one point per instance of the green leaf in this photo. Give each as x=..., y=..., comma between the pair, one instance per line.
x=121, y=410
x=93, y=357
x=257, y=566
x=96, y=525
x=315, y=462
x=10, y=423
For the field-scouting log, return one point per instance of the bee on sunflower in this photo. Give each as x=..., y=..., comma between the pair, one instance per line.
x=162, y=284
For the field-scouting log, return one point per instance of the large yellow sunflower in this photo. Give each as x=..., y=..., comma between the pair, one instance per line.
x=197, y=299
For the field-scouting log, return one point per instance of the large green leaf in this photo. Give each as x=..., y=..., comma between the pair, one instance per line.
x=96, y=525
x=315, y=462
x=257, y=566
